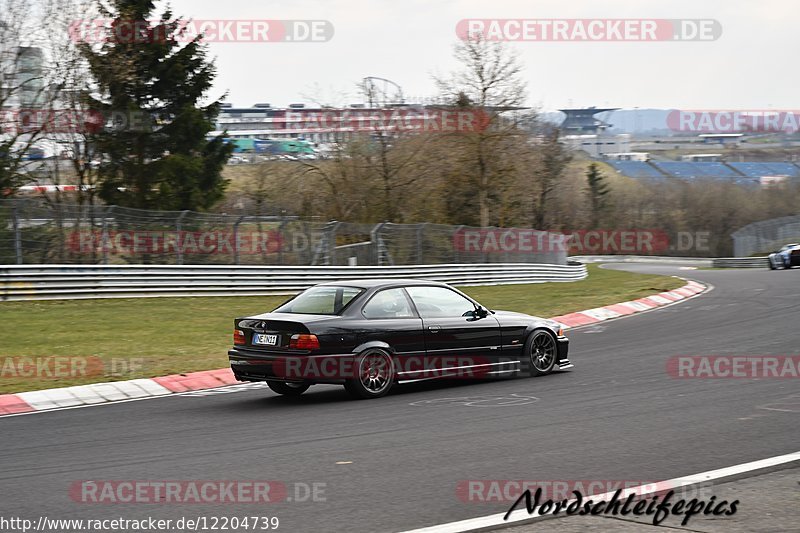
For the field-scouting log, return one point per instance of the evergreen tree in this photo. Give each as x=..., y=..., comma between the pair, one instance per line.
x=597, y=190
x=149, y=85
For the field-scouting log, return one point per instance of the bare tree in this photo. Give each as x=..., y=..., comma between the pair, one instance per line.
x=395, y=152
x=41, y=76
x=553, y=158
x=490, y=83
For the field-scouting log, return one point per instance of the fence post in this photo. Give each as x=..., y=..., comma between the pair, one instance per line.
x=420, y=235
x=332, y=243
x=104, y=237
x=236, y=240
x=324, y=249
x=17, y=234
x=375, y=238
x=483, y=251
x=455, y=246
x=281, y=229
x=178, y=239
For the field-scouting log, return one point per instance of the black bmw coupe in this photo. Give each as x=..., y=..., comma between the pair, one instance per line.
x=370, y=334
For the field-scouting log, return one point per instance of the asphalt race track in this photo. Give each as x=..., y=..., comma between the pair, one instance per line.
x=617, y=416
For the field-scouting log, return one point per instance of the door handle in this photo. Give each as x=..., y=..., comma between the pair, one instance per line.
x=434, y=329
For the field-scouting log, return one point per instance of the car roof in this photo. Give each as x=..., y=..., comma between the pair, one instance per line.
x=381, y=282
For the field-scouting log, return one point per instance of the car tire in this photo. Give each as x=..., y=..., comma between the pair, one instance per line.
x=288, y=389
x=540, y=352
x=375, y=375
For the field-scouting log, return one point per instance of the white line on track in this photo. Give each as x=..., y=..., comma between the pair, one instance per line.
x=522, y=515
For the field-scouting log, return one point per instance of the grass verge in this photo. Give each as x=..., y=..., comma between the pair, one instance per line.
x=147, y=337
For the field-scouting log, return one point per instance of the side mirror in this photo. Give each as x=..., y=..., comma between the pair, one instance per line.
x=481, y=312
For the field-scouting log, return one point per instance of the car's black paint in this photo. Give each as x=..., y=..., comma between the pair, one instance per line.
x=496, y=339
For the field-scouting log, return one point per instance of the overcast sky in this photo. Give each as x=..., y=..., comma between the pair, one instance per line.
x=752, y=65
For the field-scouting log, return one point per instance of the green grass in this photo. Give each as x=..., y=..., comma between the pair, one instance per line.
x=174, y=335
x=602, y=287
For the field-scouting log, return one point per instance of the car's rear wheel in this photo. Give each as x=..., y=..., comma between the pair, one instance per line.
x=542, y=352
x=288, y=389
x=375, y=375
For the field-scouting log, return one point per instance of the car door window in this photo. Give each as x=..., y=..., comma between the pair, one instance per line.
x=440, y=302
x=389, y=303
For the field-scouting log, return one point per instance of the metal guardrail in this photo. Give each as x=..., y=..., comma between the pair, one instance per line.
x=702, y=261
x=740, y=262
x=67, y=282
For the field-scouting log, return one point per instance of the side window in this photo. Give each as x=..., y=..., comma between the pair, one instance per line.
x=439, y=302
x=389, y=303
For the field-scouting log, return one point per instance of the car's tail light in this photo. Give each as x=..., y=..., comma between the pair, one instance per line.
x=301, y=341
x=238, y=337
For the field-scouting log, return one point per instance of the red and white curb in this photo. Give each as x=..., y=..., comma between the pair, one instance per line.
x=116, y=391
x=135, y=389
x=599, y=314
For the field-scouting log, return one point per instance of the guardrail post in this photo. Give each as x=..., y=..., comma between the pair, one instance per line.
x=178, y=240
x=236, y=240
x=17, y=234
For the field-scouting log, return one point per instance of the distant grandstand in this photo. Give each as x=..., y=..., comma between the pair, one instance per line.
x=745, y=173
x=583, y=122
x=756, y=170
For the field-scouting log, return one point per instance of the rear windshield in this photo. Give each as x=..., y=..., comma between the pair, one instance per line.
x=328, y=300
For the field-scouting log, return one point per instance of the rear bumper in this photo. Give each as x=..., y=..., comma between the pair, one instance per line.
x=300, y=368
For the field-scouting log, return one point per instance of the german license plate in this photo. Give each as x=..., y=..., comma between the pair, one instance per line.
x=265, y=339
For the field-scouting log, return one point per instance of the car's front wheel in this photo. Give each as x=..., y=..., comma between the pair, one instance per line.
x=542, y=352
x=375, y=375
x=288, y=389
